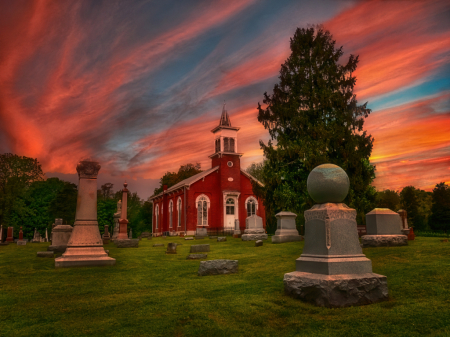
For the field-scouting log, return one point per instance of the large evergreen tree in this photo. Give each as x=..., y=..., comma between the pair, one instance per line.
x=314, y=118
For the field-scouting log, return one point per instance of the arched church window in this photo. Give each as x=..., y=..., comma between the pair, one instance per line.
x=179, y=212
x=230, y=206
x=170, y=214
x=202, y=211
x=232, y=145
x=251, y=207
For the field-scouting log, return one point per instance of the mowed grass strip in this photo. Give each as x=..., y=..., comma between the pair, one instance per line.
x=150, y=293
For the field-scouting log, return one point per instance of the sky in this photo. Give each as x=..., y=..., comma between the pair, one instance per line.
x=138, y=85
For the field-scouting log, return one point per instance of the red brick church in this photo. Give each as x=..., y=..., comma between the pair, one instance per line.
x=214, y=198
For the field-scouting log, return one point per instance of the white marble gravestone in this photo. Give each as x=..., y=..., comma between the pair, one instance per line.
x=254, y=229
x=286, y=228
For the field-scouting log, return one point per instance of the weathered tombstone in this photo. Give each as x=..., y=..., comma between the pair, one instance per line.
x=384, y=228
x=128, y=243
x=106, y=236
x=189, y=238
x=221, y=239
x=60, y=236
x=85, y=246
x=147, y=235
x=200, y=248
x=171, y=248
x=10, y=236
x=36, y=237
x=201, y=233
x=45, y=254
x=21, y=241
x=237, y=229
x=217, y=267
x=131, y=234
x=46, y=235
x=258, y=243
x=286, y=228
x=254, y=229
x=411, y=234
x=196, y=256
x=332, y=270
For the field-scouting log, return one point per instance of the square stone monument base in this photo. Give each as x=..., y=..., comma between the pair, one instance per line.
x=336, y=291
x=254, y=237
x=286, y=238
x=84, y=257
x=384, y=240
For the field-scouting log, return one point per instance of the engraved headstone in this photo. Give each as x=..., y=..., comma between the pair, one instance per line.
x=10, y=236
x=171, y=248
x=237, y=229
x=106, y=236
x=60, y=236
x=332, y=270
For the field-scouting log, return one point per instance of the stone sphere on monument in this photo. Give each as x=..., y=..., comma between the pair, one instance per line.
x=328, y=183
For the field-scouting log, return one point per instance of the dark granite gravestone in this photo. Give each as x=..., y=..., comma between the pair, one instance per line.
x=332, y=270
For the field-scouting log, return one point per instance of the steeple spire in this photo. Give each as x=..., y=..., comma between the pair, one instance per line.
x=224, y=119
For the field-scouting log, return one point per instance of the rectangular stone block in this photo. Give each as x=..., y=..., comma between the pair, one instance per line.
x=21, y=243
x=199, y=248
x=383, y=221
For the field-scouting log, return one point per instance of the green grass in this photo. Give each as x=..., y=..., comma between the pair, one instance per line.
x=149, y=293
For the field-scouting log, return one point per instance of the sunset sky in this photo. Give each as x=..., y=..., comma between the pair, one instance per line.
x=138, y=85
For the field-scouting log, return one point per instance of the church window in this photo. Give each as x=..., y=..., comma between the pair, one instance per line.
x=226, y=144
x=171, y=214
x=218, y=145
x=230, y=206
x=230, y=164
x=251, y=207
x=202, y=211
x=179, y=212
x=231, y=145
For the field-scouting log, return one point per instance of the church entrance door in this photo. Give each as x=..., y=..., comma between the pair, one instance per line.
x=229, y=217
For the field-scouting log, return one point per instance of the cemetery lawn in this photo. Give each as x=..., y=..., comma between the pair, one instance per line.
x=149, y=293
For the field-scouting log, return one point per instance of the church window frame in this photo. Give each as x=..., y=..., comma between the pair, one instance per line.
x=231, y=146
x=251, y=206
x=202, y=203
x=179, y=207
x=230, y=206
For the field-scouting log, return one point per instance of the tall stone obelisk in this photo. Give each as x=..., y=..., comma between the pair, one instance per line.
x=123, y=222
x=85, y=247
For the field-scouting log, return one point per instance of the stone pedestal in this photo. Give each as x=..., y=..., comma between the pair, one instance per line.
x=286, y=228
x=254, y=229
x=61, y=236
x=384, y=228
x=332, y=270
x=336, y=291
x=85, y=246
x=10, y=235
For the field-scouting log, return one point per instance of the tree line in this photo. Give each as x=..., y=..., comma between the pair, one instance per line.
x=29, y=200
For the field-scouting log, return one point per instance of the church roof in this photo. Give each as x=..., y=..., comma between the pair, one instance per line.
x=248, y=175
x=187, y=182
